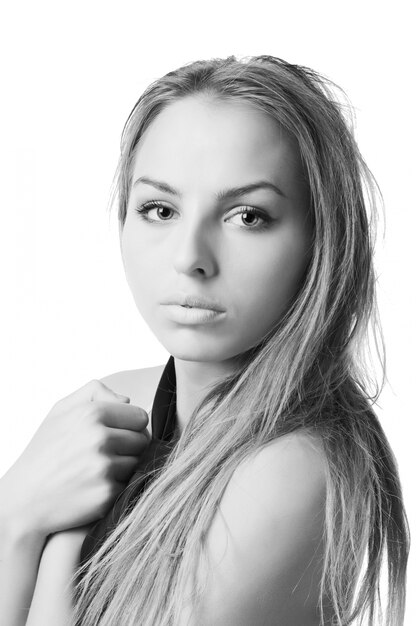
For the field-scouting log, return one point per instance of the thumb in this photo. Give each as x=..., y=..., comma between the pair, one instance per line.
x=93, y=390
x=121, y=397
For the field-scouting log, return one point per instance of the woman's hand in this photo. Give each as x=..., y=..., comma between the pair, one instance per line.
x=77, y=462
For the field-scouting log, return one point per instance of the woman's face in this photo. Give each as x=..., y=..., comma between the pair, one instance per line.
x=230, y=224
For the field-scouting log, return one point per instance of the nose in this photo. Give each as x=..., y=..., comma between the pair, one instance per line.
x=194, y=252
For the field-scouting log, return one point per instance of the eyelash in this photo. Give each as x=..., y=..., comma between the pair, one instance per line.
x=144, y=209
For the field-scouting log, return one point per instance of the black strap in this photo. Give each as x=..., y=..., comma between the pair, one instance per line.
x=164, y=404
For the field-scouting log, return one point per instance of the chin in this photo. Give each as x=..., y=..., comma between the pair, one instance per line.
x=208, y=350
x=198, y=355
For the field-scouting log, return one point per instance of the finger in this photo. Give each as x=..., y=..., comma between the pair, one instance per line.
x=118, y=415
x=127, y=442
x=91, y=391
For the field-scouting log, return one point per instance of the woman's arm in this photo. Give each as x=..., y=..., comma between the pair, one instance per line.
x=52, y=599
x=265, y=545
x=20, y=551
x=77, y=462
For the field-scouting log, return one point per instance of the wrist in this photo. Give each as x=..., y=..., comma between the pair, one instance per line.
x=20, y=531
x=19, y=521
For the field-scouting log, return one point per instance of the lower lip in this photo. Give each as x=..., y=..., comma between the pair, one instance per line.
x=192, y=315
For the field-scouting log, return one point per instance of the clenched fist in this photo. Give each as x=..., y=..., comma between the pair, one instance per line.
x=79, y=459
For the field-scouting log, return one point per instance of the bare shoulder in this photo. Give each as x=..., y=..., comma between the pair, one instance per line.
x=265, y=543
x=293, y=464
x=139, y=385
x=282, y=485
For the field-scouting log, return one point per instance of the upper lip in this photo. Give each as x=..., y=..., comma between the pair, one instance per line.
x=198, y=301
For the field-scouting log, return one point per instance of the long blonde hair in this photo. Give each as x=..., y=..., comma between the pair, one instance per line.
x=308, y=373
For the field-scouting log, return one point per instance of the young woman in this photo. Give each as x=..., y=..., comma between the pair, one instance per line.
x=268, y=493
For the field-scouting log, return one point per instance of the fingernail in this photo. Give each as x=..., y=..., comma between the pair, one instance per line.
x=125, y=398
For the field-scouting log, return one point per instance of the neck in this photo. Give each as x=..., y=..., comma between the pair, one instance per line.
x=193, y=380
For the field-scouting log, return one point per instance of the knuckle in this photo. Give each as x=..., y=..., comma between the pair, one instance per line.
x=96, y=411
x=91, y=411
x=94, y=384
x=103, y=467
x=100, y=437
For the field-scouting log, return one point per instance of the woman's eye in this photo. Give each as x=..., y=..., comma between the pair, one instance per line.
x=159, y=212
x=250, y=218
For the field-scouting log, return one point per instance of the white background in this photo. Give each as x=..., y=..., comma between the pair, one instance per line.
x=70, y=74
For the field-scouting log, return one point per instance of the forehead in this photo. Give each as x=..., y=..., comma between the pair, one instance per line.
x=208, y=141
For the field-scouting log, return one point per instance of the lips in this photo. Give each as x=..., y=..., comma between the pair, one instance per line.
x=194, y=301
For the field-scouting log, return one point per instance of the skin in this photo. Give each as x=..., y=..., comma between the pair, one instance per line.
x=199, y=244
x=69, y=474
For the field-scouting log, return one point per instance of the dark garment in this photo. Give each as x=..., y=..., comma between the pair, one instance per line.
x=163, y=419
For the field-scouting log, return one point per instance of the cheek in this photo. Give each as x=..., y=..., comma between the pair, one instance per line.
x=138, y=265
x=271, y=276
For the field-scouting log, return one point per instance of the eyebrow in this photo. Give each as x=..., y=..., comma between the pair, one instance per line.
x=225, y=194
